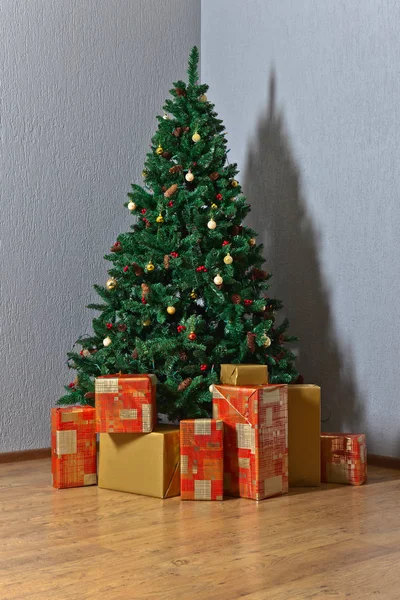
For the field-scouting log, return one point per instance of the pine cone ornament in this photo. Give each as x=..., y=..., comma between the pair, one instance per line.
x=259, y=274
x=184, y=385
x=121, y=327
x=176, y=169
x=214, y=176
x=89, y=396
x=145, y=289
x=177, y=132
x=135, y=354
x=236, y=229
x=183, y=356
x=250, y=341
x=137, y=269
x=180, y=92
x=166, y=261
x=166, y=155
x=116, y=247
x=236, y=299
x=171, y=190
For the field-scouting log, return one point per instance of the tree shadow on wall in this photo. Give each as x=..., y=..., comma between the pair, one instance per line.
x=279, y=213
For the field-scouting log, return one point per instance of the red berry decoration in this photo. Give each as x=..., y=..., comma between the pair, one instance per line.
x=71, y=385
x=195, y=164
x=181, y=328
x=174, y=254
x=225, y=243
x=247, y=302
x=143, y=211
x=203, y=367
x=219, y=196
x=109, y=325
x=126, y=269
x=170, y=204
x=144, y=301
x=192, y=336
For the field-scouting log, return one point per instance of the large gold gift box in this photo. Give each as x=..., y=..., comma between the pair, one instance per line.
x=244, y=375
x=304, y=431
x=141, y=463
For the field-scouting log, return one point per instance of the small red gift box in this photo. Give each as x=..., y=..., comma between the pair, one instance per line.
x=202, y=459
x=255, y=439
x=73, y=446
x=344, y=458
x=125, y=403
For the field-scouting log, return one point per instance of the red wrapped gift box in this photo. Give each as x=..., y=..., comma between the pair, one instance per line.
x=255, y=439
x=344, y=458
x=73, y=446
x=125, y=403
x=202, y=459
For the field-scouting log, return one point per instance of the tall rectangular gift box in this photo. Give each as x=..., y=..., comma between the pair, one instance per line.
x=125, y=403
x=255, y=439
x=304, y=441
x=73, y=446
x=202, y=459
x=141, y=463
x=344, y=458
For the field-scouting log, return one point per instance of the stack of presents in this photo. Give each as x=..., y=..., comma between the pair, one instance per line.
x=261, y=440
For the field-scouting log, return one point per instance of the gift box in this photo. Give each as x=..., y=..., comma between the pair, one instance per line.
x=202, y=459
x=73, y=446
x=255, y=439
x=244, y=374
x=304, y=435
x=125, y=403
x=344, y=458
x=140, y=463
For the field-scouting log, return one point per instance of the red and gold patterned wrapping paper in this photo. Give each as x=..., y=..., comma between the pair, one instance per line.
x=125, y=403
x=202, y=459
x=344, y=458
x=255, y=439
x=73, y=446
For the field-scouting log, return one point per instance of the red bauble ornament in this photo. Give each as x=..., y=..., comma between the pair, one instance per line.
x=174, y=254
x=170, y=204
x=247, y=302
x=71, y=385
x=109, y=325
x=192, y=336
x=126, y=269
x=143, y=211
x=225, y=243
x=219, y=196
x=203, y=367
x=144, y=301
x=181, y=328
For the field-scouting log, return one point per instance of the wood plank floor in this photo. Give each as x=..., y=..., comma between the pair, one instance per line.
x=337, y=542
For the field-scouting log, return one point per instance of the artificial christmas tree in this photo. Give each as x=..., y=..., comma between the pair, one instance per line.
x=186, y=291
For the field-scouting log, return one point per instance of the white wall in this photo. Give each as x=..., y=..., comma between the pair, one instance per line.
x=309, y=92
x=82, y=82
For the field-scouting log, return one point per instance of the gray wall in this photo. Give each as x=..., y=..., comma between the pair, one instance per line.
x=309, y=92
x=82, y=83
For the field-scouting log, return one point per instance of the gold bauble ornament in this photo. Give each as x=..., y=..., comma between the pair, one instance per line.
x=189, y=176
x=171, y=310
x=196, y=137
x=107, y=341
x=165, y=117
x=159, y=150
x=211, y=224
x=267, y=342
x=144, y=174
x=214, y=206
x=252, y=241
x=193, y=295
x=150, y=267
x=147, y=322
x=234, y=183
x=131, y=206
x=228, y=260
x=160, y=219
x=211, y=388
x=218, y=280
x=111, y=283
x=203, y=98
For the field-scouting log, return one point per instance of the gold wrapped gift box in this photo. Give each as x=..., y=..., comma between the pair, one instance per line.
x=244, y=375
x=304, y=431
x=138, y=463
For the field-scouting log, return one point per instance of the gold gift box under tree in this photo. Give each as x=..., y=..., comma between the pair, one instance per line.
x=244, y=374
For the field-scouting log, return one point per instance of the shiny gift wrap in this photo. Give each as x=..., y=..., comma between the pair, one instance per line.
x=244, y=374
x=344, y=458
x=141, y=463
x=125, y=403
x=255, y=439
x=73, y=446
x=202, y=459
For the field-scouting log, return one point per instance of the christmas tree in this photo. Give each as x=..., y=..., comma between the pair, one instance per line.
x=186, y=291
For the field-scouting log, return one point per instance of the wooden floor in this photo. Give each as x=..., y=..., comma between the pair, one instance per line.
x=337, y=542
